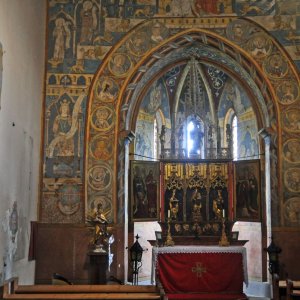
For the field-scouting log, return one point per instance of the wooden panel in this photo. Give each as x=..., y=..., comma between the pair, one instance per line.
x=289, y=241
x=63, y=248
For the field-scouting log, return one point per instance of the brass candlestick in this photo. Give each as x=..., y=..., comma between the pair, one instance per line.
x=224, y=241
x=169, y=241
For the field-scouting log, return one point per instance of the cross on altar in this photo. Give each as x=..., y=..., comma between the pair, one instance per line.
x=199, y=269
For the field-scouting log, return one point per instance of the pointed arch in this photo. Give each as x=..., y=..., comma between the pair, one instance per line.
x=211, y=48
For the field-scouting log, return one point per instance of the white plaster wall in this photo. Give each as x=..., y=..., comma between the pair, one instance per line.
x=22, y=35
x=251, y=231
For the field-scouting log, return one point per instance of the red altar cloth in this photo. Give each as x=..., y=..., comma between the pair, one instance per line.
x=201, y=272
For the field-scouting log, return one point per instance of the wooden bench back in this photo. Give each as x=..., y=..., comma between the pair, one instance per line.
x=12, y=290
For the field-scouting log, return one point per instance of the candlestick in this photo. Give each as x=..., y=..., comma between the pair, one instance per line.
x=169, y=241
x=224, y=241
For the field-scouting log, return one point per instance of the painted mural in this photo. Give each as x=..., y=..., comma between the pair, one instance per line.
x=98, y=46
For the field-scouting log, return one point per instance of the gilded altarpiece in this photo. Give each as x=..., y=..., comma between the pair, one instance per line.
x=196, y=197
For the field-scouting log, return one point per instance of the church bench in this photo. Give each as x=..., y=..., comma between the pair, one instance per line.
x=91, y=296
x=292, y=290
x=280, y=287
x=12, y=290
x=40, y=289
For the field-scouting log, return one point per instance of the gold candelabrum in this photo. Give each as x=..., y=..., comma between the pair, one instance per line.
x=224, y=240
x=169, y=241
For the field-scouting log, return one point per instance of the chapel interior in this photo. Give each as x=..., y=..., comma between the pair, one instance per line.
x=170, y=123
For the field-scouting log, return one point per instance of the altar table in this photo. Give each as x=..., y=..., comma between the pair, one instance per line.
x=201, y=272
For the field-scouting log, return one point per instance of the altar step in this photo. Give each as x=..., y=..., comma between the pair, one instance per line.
x=258, y=290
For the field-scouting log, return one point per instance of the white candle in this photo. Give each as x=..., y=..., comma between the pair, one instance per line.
x=168, y=213
x=224, y=213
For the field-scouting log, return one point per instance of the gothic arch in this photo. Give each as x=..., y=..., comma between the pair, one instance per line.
x=126, y=70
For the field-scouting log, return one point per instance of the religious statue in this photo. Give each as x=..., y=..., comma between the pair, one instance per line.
x=218, y=206
x=196, y=207
x=98, y=220
x=174, y=206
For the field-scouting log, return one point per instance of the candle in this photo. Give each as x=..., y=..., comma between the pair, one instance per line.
x=224, y=213
x=168, y=213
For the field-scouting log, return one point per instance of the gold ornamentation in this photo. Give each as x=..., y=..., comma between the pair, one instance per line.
x=199, y=269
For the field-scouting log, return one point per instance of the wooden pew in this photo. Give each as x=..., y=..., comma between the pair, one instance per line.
x=291, y=290
x=280, y=287
x=12, y=290
x=275, y=287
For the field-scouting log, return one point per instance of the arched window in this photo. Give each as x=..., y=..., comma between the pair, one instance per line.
x=190, y=142
x=231, y=120
x=195, y=138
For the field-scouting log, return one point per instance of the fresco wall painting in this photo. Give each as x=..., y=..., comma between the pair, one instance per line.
x=86, y=35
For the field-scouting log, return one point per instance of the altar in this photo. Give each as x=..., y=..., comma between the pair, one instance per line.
x=201, y=272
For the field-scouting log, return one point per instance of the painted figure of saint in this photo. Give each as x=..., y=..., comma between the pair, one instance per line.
x=99, y=177
x=139, y=194
x=62, y=36
x=292, y=210
x=253, y=192
x=61, y=126
x=106, y=91
x=102, y=151
x=292, y=179
x=292, y=151
x=287, y=92
x=247, y=194
x=138, y=44
x=102, y=116
x=151, y=187
x=237, y=31
x=292, y=120
x=88, y=16
x=259, y=46
x=120, y=64
x=156, y=35
x=155, y=99
x=275, y=66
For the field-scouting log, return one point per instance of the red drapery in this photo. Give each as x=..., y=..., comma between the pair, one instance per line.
x=200, y=272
